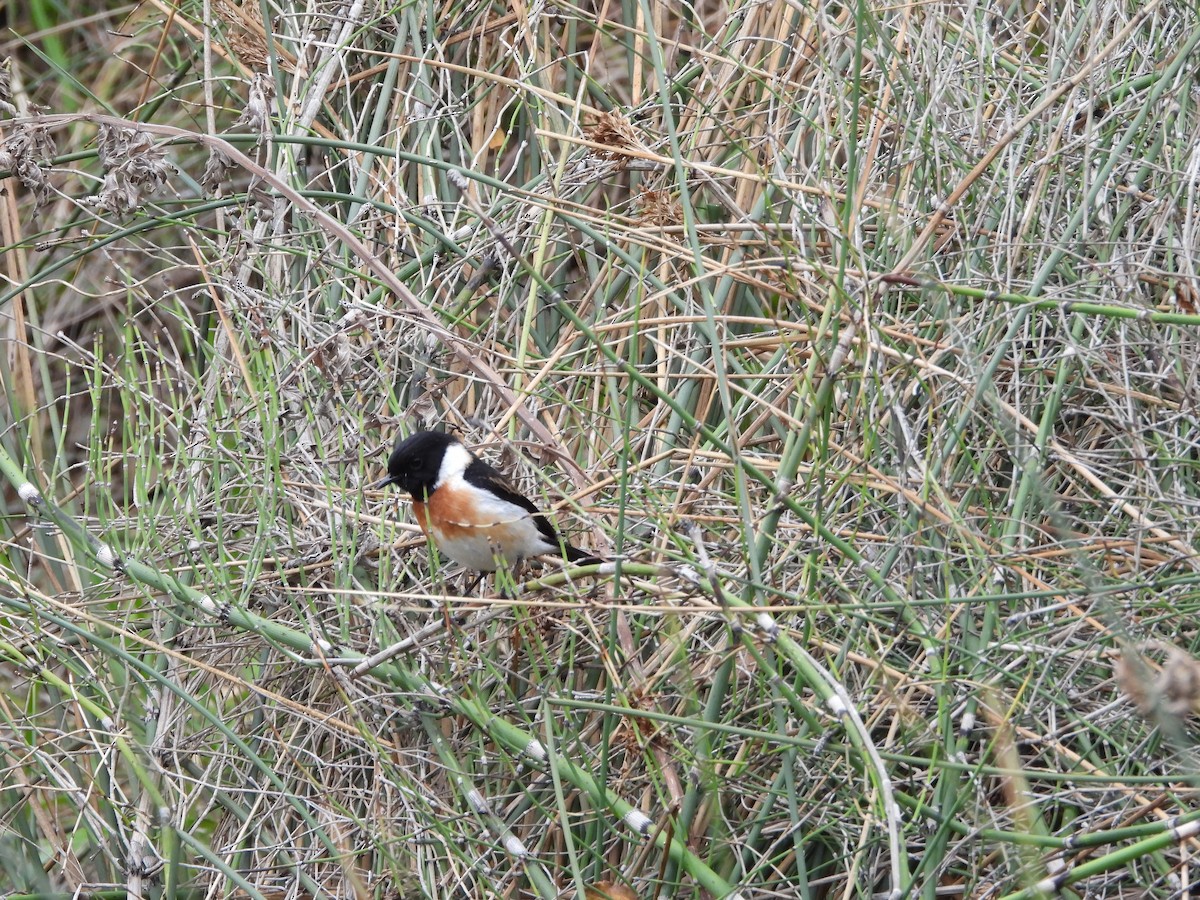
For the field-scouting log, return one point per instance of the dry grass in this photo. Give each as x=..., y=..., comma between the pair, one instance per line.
x=862, y=337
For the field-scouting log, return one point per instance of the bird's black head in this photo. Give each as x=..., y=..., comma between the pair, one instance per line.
x=416, y=462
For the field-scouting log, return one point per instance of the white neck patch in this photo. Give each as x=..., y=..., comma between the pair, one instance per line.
x=454, y=464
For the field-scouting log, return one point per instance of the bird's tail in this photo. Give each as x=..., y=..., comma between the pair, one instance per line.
x=581, y=557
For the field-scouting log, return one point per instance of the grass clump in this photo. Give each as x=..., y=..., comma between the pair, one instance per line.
x=859, y=337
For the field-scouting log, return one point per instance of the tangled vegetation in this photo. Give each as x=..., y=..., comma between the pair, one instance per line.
x=860, y=339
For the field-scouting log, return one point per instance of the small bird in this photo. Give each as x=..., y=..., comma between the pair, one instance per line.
x=468, y=509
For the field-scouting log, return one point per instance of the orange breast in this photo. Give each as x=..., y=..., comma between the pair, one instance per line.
x=422, y=516
x=453, y=513
x=474, y=537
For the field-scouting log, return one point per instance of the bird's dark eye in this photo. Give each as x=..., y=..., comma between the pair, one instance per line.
x=416, y=462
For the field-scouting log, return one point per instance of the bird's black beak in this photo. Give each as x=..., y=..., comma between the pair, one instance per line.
x=379, y=485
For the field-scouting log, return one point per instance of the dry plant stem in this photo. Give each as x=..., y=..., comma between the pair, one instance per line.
x=839, y=702
x=879, y=123
x=982, y=166
x=534, y=869
x=363, y=666
x=143, y=858
x=16, y=272
x=817, y=143
x=1053, y=886
x=64, y=616
x=464, y=351
x=515, y=739
x=837, y=360
x=330, y=64
x=1066, y=455
x=195, y=33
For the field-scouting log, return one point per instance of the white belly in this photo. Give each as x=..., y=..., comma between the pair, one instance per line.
x=487, y=548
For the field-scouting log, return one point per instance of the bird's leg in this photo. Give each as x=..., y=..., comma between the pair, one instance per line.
x=505, y=585
x=474, y=584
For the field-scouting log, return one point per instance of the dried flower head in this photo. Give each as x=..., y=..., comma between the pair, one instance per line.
x=1179, y=683
x=6, y=86
x=135, y=163
x=659, y=208
x=613, y=130
x=116, y=195
x=1175, y=690
x=217, y=169
x=257, y=114
x=245, y=32
x=1131, y=674
x=21, y=153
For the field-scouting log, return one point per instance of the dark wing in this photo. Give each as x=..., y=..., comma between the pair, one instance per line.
x=482, y=474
